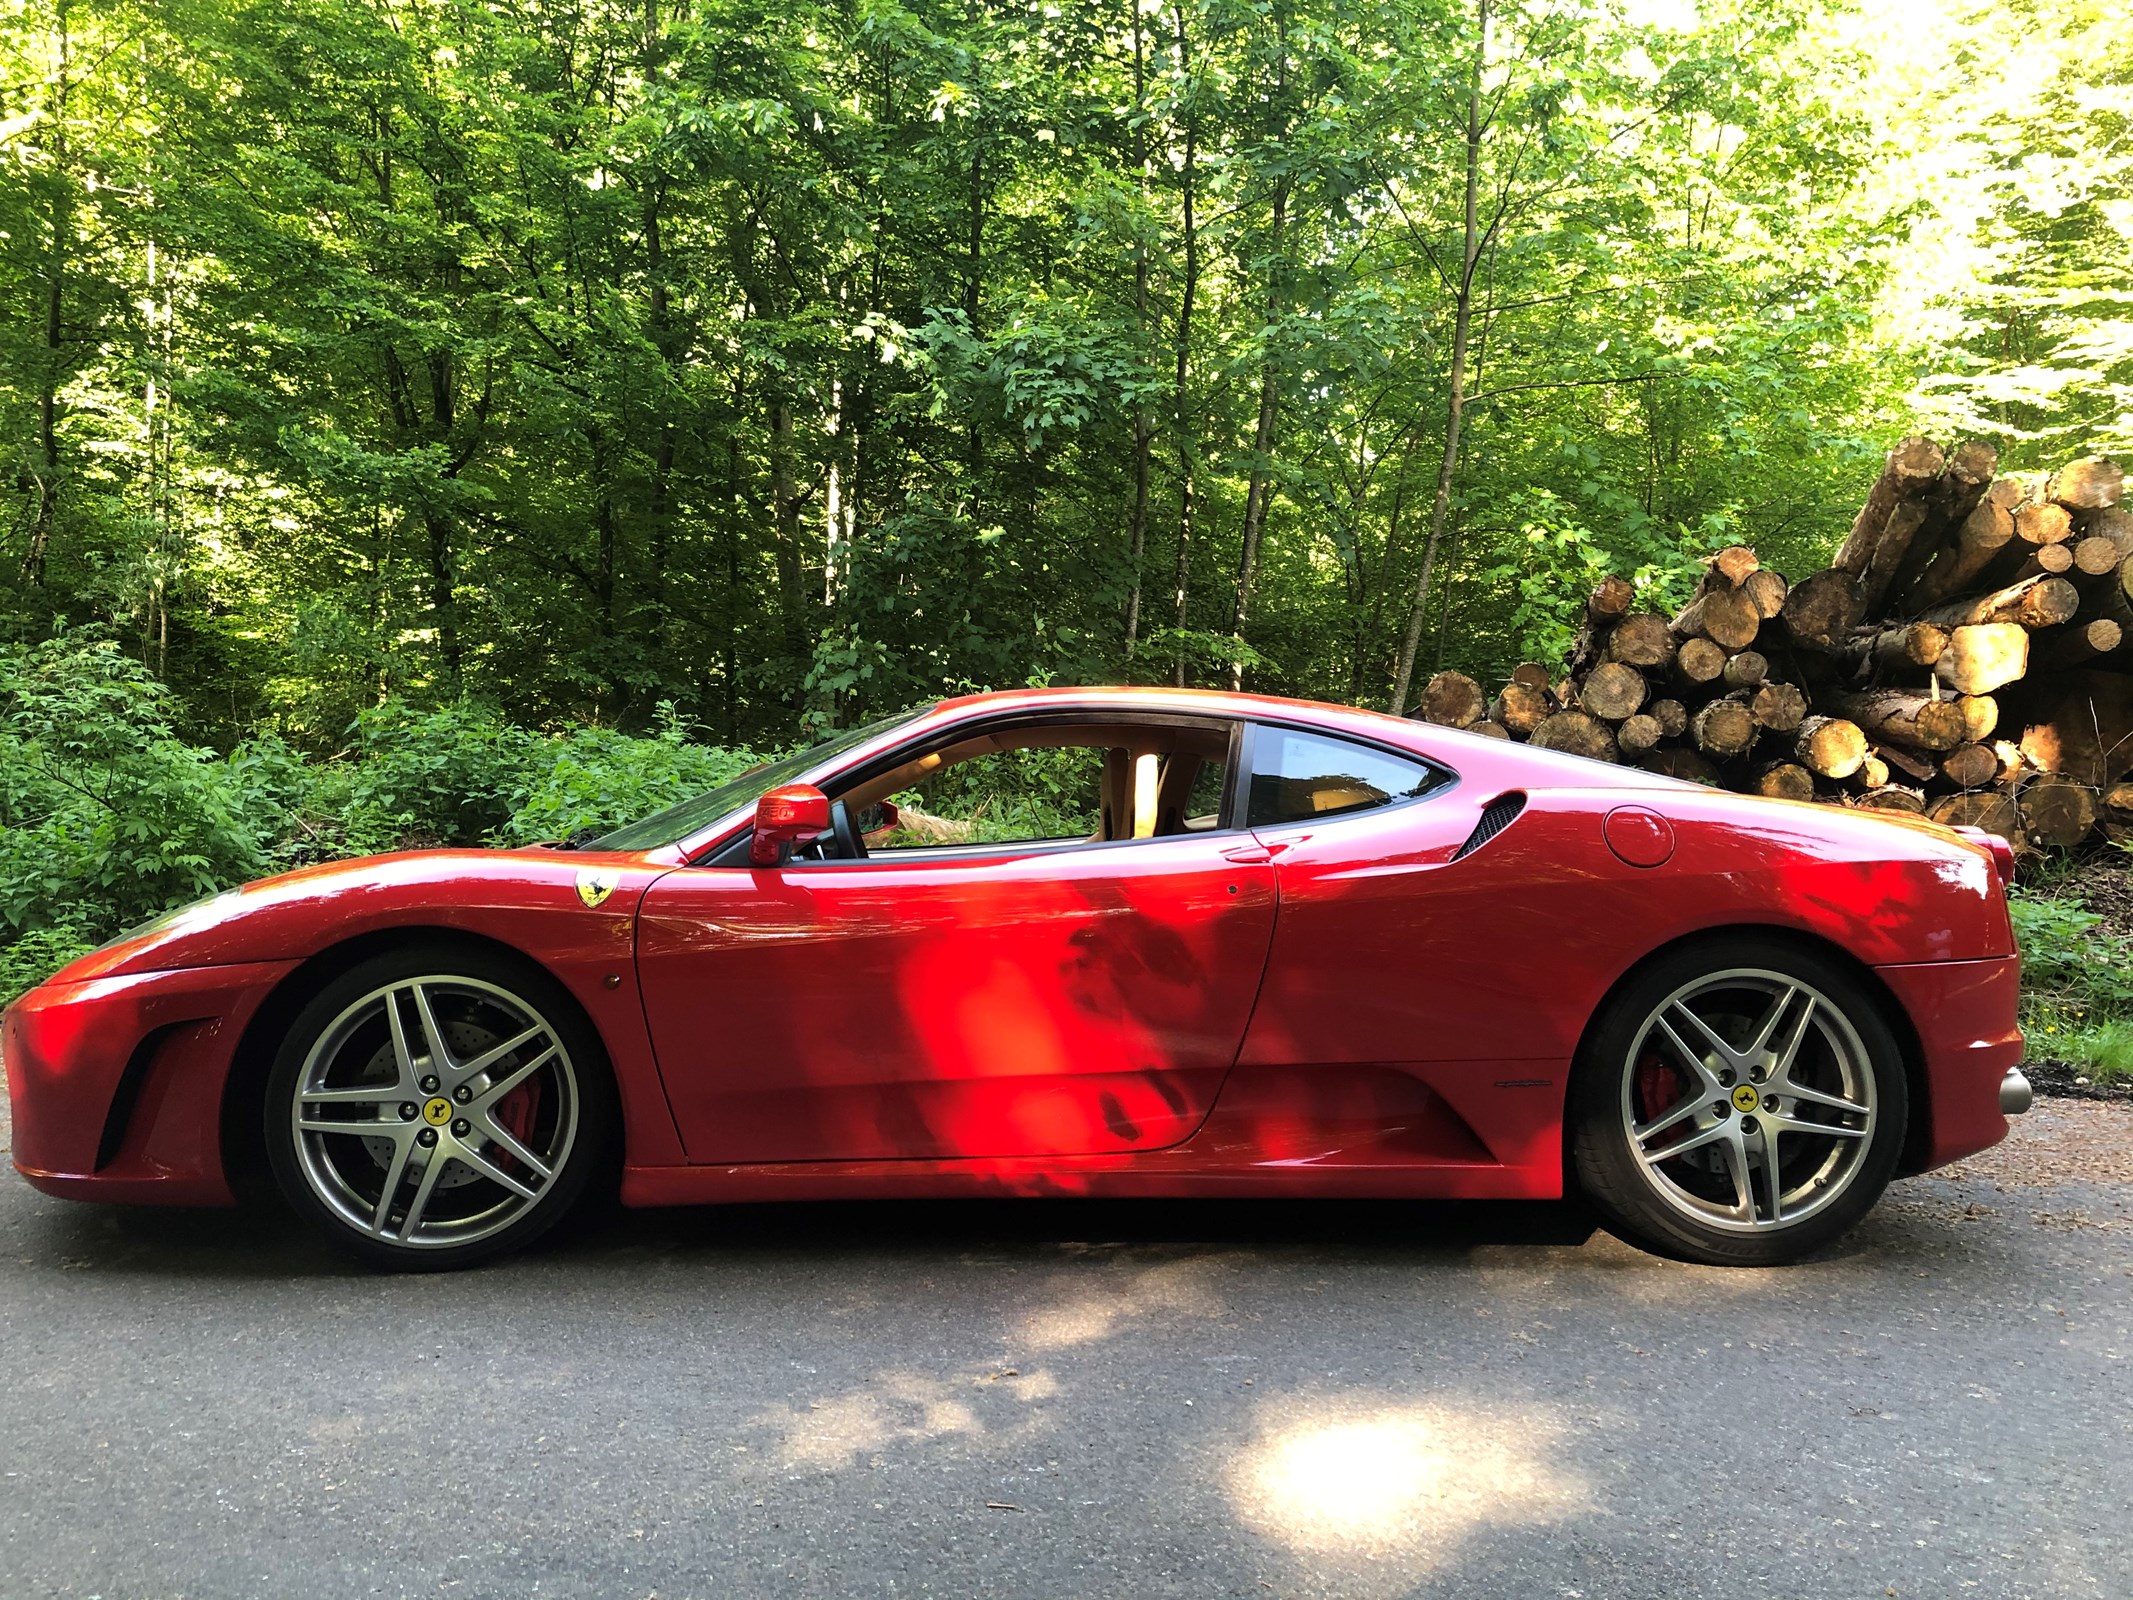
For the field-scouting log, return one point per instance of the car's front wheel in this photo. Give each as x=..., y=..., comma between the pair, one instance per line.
x=1740, y=1102
x=433, y=1107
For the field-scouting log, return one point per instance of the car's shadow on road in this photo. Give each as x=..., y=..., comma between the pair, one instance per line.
x=262, y=1241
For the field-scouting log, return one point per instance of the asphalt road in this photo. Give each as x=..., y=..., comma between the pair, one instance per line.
x=1052, y=1400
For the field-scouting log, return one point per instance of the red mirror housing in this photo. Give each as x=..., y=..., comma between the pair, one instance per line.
x=783, y=818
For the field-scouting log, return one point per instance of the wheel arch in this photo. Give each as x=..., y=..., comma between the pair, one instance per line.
x=244, y=1159
x=1917, y=1128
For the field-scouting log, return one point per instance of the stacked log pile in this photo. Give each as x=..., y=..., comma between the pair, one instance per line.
x=1968, y=656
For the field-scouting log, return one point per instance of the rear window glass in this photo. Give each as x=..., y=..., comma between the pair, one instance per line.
x=1299, y=776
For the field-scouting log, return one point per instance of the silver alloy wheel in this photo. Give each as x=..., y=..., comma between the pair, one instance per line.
x=1748, y=1100
x=434, y=1112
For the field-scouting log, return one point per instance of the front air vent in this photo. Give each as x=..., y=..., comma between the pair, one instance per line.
x=1496, y=816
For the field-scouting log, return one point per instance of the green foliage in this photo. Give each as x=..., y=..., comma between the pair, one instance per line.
x=105, y=816
x=595, y=778
x=2077, y=981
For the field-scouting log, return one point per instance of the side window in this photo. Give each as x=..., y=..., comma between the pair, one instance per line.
x=1298, y=776
x=1003, y=796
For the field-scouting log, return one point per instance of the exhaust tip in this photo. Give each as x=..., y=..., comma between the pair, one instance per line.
x=2015, y=1094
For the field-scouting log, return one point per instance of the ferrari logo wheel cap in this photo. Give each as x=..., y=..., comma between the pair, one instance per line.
x=1745, y=1098
x=595, y=884
x=437, y=1111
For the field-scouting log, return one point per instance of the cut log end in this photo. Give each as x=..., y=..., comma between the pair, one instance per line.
x=1453, y=700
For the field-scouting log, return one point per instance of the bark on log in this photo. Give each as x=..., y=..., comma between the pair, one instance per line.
x=1671, y=715
x=2040, y=602
x=1898, y=716
x=1983, y=535
x=2057, y=649
x=1893, y=797
x=1784, y=780
x=1908, y=646
x=1830, y=747
x=1916, y=765
x=1909, y=471
x=2057, y=811
x=1577, y=734
x=1982, y=808
x=1521, y=707
x=1639, y=734
x=1873, y=772
x=1699, y=661
x=1821, y=611
x=1640, y=640
x=1724, y=616
x=1453, y=700
x=1612, y=691
x=1745, y=669
x=1970, y=766
x=1609, y=601
x=1983, y=656
x=1780, y=707
x=2089, y=484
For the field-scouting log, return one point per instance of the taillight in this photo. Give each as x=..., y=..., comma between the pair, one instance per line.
x=2003, y=857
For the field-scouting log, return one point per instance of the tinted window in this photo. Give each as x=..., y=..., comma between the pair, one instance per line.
x=1298, y=776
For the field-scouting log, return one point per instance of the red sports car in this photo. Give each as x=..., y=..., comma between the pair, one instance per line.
x=1069, y=942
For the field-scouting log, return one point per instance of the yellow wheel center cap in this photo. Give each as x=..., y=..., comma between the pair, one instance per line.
x=1745, y=1098
x=437, y=1111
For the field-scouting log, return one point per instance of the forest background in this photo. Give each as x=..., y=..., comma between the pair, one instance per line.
x=431, y=420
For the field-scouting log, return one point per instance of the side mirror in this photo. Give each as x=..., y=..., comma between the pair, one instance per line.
x=784, y=817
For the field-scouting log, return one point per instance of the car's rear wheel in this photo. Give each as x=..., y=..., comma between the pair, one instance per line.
x=433, y=1107
x=1740, y=1102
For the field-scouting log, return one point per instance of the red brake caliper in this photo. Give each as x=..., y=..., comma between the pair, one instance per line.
x=1658, y=1087
x=514, y=1114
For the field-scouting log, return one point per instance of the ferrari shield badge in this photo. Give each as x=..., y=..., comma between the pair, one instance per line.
x=595, y=884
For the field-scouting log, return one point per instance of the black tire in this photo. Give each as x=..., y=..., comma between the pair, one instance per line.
x=540, y=1121
x=1846, y=1075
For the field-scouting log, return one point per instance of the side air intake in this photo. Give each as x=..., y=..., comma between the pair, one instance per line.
x=1496, y=816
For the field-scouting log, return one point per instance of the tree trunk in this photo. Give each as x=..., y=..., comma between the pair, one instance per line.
x=1455, y=402
x=1143, y=423
x=1187, y=289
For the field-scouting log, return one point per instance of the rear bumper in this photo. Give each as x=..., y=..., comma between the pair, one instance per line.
x=1964, y=1015
x=116, y=1083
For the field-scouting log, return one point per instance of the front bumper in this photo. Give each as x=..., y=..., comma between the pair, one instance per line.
x=116, y=1083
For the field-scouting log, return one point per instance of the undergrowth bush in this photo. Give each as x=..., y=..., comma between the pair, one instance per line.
x=2077, y=984
x=108, y=818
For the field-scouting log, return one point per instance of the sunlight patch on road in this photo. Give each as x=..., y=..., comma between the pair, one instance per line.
x=1412, y=1480
x=1095, y=1309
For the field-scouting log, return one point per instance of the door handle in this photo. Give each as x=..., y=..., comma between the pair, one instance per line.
x=1258, y=855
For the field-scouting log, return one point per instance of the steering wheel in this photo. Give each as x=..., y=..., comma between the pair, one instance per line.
x=850, y=846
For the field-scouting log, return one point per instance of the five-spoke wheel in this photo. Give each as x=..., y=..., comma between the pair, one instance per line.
x=431, y=1108
x=1741, y=1102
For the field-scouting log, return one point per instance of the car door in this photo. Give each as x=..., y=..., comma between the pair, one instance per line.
x=1006, y=1001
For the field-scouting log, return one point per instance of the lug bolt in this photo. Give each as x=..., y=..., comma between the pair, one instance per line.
x=1725, y=1078
x=1747, y=1124
x=426, y=1138
x=1770, y=1103
x=462, y=1094
x=429, y=1085
x=407, y=1111
x=461, y=1128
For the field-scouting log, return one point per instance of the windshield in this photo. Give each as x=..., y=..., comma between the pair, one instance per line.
x=694, y=815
